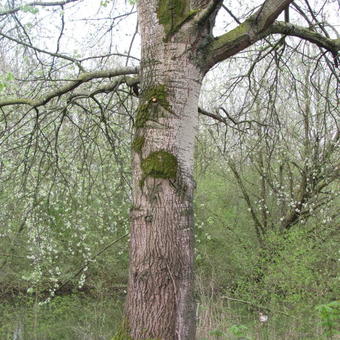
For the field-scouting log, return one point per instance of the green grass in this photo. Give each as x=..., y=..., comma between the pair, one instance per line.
x=82, y=317
x=70, y=317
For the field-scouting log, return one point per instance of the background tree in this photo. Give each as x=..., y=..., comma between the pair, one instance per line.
x=262, y=122
x=292, y=151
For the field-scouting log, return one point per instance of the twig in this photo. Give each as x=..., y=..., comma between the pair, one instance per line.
x=257, y=306
x=36, y=3
x=81, y=269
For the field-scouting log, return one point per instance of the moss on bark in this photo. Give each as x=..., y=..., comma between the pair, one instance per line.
x=232, y=36
x=172, y=14
x=148, y=109
x=160, y=164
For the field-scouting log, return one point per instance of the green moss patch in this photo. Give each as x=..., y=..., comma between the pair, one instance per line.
x=157, y=95
x=150, y=101
x=232, y=36
x=142, y=115
x=160, y=164
x=172, y=14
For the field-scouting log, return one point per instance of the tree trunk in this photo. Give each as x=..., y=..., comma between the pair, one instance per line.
x=160, y=302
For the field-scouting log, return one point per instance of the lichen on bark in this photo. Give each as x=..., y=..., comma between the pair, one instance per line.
x=160, y=164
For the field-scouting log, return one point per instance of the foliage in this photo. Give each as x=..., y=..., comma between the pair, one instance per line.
x=330, y=317
x=5, y=79
x=65, y=317
x=239, y=330
x=29, y=9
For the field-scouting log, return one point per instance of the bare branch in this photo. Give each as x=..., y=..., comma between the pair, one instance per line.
x=83, y=78
x=253, y=305
x=231, y=14
x=258, y=26
x=332, y=45
x=207, y=12
x=37, y=49
x=107, y=88
x=219, y=118
x=268, y=12
x=36, y=3
x=82, y=268
x=259, y=228
x=248, y=33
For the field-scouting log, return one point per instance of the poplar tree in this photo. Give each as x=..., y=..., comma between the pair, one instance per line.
x=177, y=50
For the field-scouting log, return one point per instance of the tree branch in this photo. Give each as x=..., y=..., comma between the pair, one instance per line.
x=83, y=78
x=332, y=45
x=268, y=13
x=258, y=26
x=259, y=228
x=231, y=43
x=254, y=305
x=36, y=3
x=57, y=55
x=212, y=115
x=207, y=12
x=231, y=14
x=107, y=88
x=247, y=34
x=81, y=269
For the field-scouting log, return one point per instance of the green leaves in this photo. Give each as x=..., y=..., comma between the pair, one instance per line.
x=330, y=316
x=29, y=9
x=105, y=3
x=217, y=333
x=5, y=79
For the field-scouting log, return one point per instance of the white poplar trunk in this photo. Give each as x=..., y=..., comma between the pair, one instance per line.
x=160, y=302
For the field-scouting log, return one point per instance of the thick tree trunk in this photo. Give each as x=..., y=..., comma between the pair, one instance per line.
x=160, y=302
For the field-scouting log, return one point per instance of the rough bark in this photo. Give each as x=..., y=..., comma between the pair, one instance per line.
x=160, y=302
